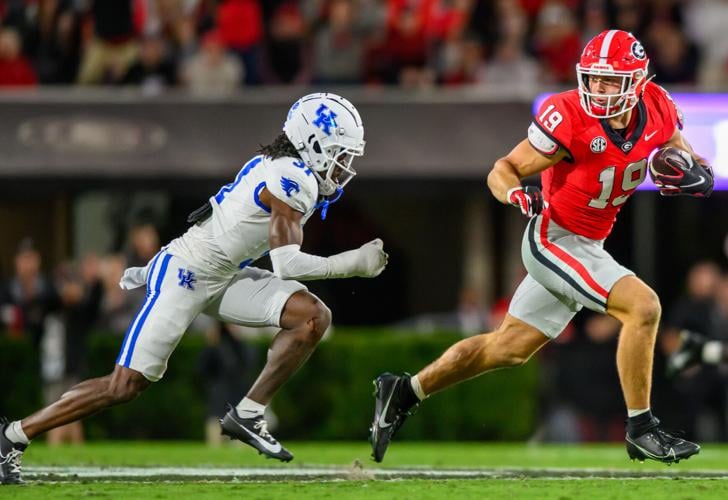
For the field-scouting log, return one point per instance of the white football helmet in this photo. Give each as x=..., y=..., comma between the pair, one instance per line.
x=328, y=133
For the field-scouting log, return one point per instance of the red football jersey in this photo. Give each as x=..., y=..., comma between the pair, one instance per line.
x=586, y=190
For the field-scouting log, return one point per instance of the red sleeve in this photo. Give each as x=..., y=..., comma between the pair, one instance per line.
x=551, y=128
x=672, y=115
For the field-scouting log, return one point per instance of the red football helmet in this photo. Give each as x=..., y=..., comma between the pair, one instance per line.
x=612, y=53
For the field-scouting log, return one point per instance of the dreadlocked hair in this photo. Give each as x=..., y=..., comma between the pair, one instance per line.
x=279, y=148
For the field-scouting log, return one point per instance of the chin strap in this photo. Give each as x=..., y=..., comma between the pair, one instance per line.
x=324, y=203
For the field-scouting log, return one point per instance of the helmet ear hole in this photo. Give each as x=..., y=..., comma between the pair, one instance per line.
x=317, y=147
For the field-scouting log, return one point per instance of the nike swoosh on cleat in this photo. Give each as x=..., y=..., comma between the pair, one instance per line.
x=271, y=448
x=382, y=422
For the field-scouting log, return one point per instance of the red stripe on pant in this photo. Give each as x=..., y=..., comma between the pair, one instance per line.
x=568, y=259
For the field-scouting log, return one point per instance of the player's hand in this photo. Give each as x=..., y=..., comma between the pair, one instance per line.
x=696, y=180
x=529, y=199
x=372, y=259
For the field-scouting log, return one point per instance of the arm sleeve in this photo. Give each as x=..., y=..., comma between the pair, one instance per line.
x=289, y=263
x=551, y=129
x=293, y=183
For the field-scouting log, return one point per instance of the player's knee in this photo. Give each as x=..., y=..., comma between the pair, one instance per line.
x=320, y=320
x=647, y=309
x=122, y=389
x=507, y=344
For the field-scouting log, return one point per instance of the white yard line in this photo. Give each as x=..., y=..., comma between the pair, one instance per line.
x=340, y=473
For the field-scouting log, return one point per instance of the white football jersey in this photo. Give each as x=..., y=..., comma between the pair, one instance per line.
x=236, y=234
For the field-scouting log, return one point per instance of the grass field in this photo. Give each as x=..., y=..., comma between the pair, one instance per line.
x=344, y=470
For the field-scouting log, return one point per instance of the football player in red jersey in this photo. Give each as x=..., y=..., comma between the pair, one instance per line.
x=591, y=146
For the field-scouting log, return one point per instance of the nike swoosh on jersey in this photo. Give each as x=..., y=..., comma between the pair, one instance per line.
x=266, y=444
x=649, y=136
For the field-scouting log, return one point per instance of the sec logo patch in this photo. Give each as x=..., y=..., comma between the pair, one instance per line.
x=598, y=144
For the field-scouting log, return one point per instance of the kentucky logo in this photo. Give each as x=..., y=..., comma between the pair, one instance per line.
x=186, y=279
x=325, y=119
x=289, y=186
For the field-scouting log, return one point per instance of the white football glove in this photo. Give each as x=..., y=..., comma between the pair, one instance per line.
x=367, y=261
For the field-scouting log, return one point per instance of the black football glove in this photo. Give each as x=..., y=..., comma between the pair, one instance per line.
x=694, y=180
x=529, y=199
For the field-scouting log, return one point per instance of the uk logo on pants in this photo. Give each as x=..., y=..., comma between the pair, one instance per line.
x=186, y=279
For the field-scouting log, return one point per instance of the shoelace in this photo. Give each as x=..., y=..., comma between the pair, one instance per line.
x=262, y=427
x=13, y=459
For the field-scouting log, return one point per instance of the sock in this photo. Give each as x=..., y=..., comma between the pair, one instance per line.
x=247, y=408
x=417, y=388
x=14, y=432
x=640, y=422
x=712, y=352
x=405, y=395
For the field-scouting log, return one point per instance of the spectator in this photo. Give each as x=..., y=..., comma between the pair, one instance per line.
x=15, y=69
x=63, y=348
x=54, y=42
x=339, y=46
x=287, y=58
x=143, y=242
x=118, y=307
x=706, y=22
x=211, y=70
x=113, y=48
x=153, y=71
x=557, y=42
x=510, y=68
x=701, y=393
x=28, y=297
x=240, y=28
x=673, y=58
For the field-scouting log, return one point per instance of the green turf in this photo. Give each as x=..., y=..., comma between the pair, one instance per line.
x=440, y=455
x=402, y=454
x=404, y=489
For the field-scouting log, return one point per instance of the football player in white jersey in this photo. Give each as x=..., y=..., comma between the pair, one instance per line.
x=208, y=270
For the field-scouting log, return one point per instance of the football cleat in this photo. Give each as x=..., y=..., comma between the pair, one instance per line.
x=689, y=354
x=656, y=444
x=10, y=456
x=254, y=432
x=390, y=412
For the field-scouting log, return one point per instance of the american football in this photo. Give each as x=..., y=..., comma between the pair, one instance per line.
x=669, y=163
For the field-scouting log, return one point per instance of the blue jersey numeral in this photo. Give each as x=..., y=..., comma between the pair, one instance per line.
x=243, y=172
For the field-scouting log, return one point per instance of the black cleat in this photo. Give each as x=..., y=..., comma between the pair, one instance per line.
x=253, y=431
x=10, y=456
x=656, y=444
x=689, y=354
x=390, y=412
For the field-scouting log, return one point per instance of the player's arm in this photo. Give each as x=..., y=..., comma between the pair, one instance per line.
x=697, y=180
x=524, y=160
x=285, y=236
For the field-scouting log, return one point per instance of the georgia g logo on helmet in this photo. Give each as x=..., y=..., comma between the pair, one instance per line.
x=638, y=50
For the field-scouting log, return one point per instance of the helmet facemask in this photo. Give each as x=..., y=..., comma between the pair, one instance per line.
x=631, y=88
x=336, y=171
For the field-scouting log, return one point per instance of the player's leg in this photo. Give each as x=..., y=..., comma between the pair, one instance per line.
x=257, y=298
x=634, y=303
x=638, y=308
x=304, y=320
x=579, y=268
x=534, y=316
x=82, y=400
x=512, y=344
x=150, y=340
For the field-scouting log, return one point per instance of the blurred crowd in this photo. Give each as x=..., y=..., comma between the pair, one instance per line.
x=213, y=46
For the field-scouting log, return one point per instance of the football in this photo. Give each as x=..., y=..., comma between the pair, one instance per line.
x=669, y=162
